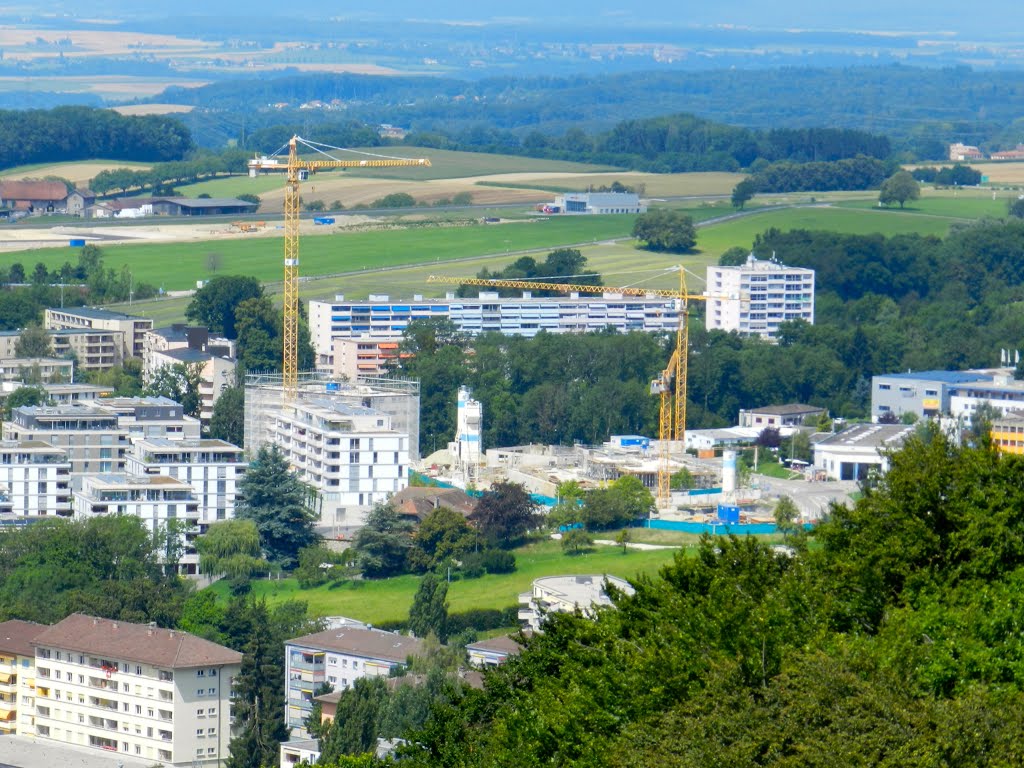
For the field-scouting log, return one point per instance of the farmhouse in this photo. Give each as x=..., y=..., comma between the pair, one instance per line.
x=33, y=196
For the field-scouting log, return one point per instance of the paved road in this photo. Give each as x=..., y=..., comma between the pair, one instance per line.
x=813, y=499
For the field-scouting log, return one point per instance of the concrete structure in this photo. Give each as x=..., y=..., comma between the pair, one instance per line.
x=91, y=436
x=17, y=683
x=1007, y=433
x=92, y=350
x=349, y=454
x=493, y=651
x=596, y=203
x=562, y=594
x=134, y=690
x=20, y=370
x=364, y=356
x=959, y=152
x=35, y=477
x=155, y=499
x=398, y=398
x=859, y=450
x=380, y=319
x=299, y=751
x=213, y=468
x=181, y=336
x=131, y=328
x=339, y=657
x=66, y=394
x=791, y=415
x=467, y=450
x=761, y=296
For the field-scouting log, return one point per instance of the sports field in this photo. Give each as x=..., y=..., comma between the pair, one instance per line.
x=390, y=599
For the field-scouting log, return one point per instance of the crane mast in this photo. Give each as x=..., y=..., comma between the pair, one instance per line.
x=669, y=386
x=294, y=174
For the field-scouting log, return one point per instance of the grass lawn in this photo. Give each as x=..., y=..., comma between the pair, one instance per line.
x=177, y=266
x=390, y=599
x=963, y=206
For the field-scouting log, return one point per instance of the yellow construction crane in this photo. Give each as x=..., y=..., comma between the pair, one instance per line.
x=298, y=170
x=670, y=386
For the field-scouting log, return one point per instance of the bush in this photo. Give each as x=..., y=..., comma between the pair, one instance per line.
x=498, y=561
x=483, y=619
x=473, y=566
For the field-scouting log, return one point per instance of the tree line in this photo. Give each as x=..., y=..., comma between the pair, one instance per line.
x=83, y=133
x=161, y=177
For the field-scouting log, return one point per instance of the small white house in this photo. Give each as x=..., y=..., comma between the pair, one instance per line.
x=854, y=452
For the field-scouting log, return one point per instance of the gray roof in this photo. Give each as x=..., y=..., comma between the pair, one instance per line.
x=869, y=436
x=367, y=643
x=791, y=409
x=945, y=377
x=187, y=355
x=507, y=644
x=96, y=313
x=208, y=202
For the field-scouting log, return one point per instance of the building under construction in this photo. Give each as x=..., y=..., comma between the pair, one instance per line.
x=398, y=398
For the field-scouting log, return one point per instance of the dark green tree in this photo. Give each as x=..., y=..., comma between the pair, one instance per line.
x=179, y=382
x=383, y=544
x=278, y=503
x=228, y=419
x=743, y=192
x=354, y=728
x=577, y=540
x=504, y=514
x=1016, y=208
x=259, y=698
x=429, y=611
x=22, y=396
x=34, y=342
x=665, y=230
x=215, y=304
x=443, y=535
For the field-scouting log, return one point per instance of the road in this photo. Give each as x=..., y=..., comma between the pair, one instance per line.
x=812, y=499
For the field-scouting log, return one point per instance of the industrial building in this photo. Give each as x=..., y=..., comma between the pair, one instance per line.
x=380, y=318
x=856, y=452
x=755, y=298
x=954, y=394
x=603, y=203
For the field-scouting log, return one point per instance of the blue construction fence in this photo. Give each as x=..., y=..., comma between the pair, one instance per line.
x=547, y=501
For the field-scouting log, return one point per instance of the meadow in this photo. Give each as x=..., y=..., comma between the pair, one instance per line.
x=389, y=599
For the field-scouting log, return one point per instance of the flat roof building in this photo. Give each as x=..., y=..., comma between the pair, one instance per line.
x=131, y=327
x=92, y=437
x=563, y=594
x=755, y=298
x=35, y=478
x=857, y=451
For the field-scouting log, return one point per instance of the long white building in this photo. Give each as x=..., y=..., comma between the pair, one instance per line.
x=380, y=317
x=756, y=298
x=133, y=690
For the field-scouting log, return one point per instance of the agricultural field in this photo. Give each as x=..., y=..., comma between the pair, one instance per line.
x=78, y=172
x=962, y=206
x=390, y=599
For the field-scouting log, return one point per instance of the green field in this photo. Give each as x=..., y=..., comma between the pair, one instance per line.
x=960, y=207
x=390, y=599
x=177, y=266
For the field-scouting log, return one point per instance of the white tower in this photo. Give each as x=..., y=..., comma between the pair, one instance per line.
x=469, y=426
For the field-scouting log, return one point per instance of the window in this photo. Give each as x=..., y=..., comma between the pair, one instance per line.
x=201, y=692
x=211, y=711
x=138, y=709
x=200, y=712
x=884, y=387
x=138, y=670
x=200, y=733
x=59, y=656
x=211, y=731
x=211, y=691
x=213, y=673
x=210, y=750
x=201, y=673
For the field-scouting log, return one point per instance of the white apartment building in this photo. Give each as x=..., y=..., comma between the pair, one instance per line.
x=339, y=657
x=131, y=328
x=348, y=453
x=134, y=690
x=91, y=436
x=380, y=318
x=213, y=468
x=216, y=373
x=155, y=499
x=565, y=594
x=756, y=298
x=36, y=369
x=17, y=676
x=35, y=478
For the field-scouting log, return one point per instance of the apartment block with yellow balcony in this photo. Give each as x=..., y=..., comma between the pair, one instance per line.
x=1007, y=433
x=17, y=676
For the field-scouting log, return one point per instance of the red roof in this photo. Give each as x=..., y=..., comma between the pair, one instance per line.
x=33, y=191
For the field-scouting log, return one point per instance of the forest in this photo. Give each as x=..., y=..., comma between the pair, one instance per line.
x=84, y=133
x=882, y=305
x=919, y=109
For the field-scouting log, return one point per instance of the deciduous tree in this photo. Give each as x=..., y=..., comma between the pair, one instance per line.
x=429, y=611
x=899, y=188
x=505, y=513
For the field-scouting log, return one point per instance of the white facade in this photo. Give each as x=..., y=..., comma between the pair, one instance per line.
x=349, y=454
x=42, y=369
x=35, y=478
x=90, y=435
x=151, y=417
x=382, y=318
x=135, y=691
x=468, y=436
x=154, y=499
x=757, y=297
x=564, y=594
x=856, y=452
x=213, y=468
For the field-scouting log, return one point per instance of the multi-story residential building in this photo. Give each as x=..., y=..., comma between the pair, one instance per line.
x=339, y=657
x=789, y=415
x=17, y=676
x=37, y=370
x=91, y=436
x=134, y=690
x=213, y=468
x=959, y=152
x=90, y=318
x=35, y=477
x=754, y=299
x=380, y=318
x=181, y=336
x=64, y=394
x=149, y=417
x=348, y=453
x=564, y=594
x=155, y=499
x=92, y=349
